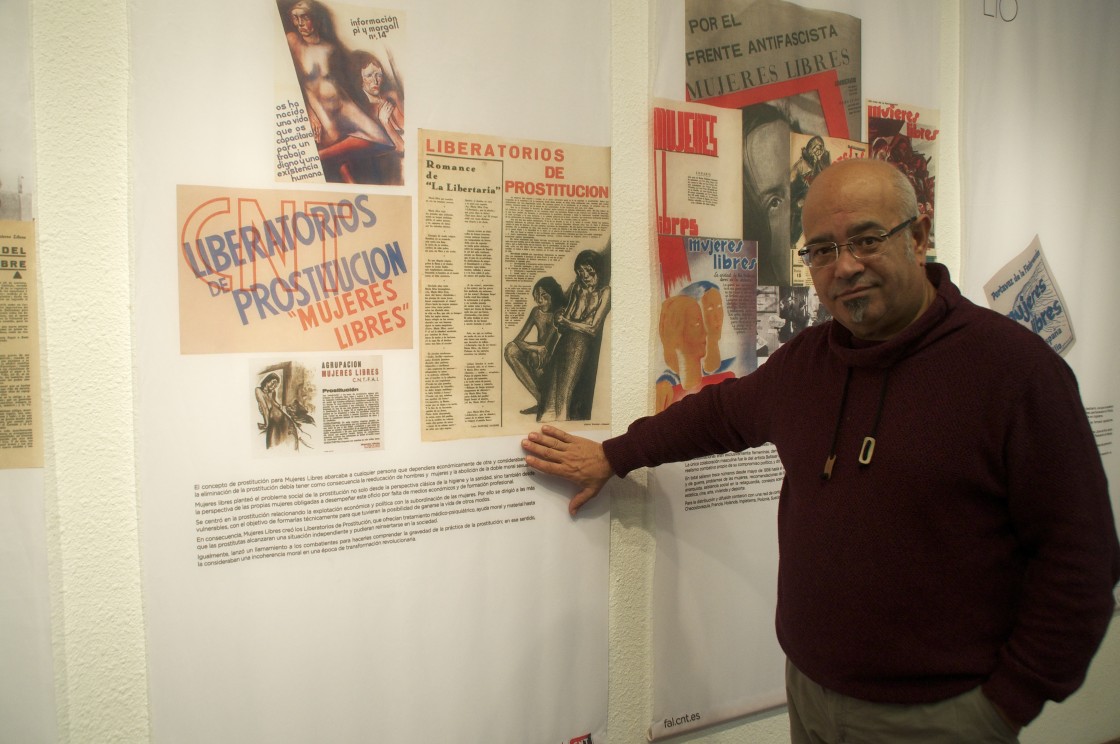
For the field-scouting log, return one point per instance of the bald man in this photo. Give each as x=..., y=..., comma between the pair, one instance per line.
x=947, y=545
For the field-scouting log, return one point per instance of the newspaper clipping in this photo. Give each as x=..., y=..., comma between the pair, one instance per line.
x=1025, y=291
x=339, y=93
x=322, y=405
x=907, y=136
x=514, y=236
x=269, y=270
x=21, y=439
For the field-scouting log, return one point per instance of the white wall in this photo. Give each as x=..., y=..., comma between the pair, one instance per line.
x=81, y=88
x=80, y=60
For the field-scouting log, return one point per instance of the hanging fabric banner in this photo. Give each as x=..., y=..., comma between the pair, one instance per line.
x=314, y=570
x=1037, y=176
x=745, y=89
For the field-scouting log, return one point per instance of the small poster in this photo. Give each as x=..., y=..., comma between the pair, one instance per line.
x=21, y=431
x=271, y=270
x=1025, y=291
x=339, y=94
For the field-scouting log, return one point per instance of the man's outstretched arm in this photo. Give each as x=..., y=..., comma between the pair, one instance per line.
x=579, y=460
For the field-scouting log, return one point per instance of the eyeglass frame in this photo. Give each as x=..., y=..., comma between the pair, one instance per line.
x=805, y=253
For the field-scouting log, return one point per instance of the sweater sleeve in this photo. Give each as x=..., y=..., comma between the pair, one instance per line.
x=1060, y=511
x=728, y=417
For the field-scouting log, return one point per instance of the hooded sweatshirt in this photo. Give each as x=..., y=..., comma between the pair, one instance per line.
x=972, y=545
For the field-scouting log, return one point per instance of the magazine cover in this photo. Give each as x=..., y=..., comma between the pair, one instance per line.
x=1025, y=291
x=705, y=318
x=339, y=94
x=907, y=136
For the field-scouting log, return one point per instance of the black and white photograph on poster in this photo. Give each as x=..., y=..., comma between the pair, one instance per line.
x=320, y=405
x=743, y=45
x=340, y=117
x=788, y=69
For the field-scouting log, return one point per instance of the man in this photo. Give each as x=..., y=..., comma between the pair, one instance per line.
x=948, y=550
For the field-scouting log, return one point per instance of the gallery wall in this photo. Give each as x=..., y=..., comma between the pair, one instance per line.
x=91, y=504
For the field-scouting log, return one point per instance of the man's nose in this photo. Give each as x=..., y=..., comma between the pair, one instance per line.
x=846, y=262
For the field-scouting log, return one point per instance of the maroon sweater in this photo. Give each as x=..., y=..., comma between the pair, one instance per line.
x=976, y=548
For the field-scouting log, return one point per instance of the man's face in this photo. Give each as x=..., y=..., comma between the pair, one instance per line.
x=301, y=19
x=877, y=297
x=766, y=178
x=371, y=80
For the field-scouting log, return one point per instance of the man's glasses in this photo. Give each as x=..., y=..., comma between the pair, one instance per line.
x=819, y=255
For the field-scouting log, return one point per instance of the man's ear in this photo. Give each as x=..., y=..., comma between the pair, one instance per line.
x=919, y=235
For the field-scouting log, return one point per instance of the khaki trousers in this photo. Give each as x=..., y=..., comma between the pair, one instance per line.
x=821, y=716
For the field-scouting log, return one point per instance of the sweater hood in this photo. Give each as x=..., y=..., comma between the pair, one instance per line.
x=935, y=323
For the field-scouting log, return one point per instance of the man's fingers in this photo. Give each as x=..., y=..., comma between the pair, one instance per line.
x=555, y=441
x=545, y=466
x=580, y=499
x=543, y=442
x=541, y=451
x=558, y=434
x=553, y=451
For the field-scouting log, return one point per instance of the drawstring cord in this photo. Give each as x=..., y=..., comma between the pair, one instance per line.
x=867, y=449
x=827, y=473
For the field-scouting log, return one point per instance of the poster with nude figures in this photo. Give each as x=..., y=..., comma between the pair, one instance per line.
x=339, y=94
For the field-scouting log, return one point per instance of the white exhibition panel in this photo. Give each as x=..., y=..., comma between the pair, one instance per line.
x=27, y=709
x=27, y=689
x=488, y=634
x=1038, y=101
x=715, y=654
